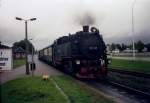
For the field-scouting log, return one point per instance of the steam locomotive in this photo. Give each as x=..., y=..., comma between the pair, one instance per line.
x=82, y=54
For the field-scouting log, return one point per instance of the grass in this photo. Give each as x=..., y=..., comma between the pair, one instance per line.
x=31, y=90
x=18, y=62
x=139, y=66
x=35, y=90
x=77, y=93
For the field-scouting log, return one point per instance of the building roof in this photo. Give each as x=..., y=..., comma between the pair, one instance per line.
x=4, y=46
x=19, y=50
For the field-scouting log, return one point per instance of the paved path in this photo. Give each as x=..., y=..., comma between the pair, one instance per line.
x=41, y=68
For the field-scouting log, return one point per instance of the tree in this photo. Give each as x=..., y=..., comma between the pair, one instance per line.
x=22, y=44
x=148, y=47
x=139, y=46
x=123, y=47
x=118, y=46
x=112, y=47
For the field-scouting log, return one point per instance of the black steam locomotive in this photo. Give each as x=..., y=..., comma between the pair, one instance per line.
x=82, y=54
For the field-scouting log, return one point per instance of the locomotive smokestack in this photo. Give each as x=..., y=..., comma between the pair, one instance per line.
x=85, y=28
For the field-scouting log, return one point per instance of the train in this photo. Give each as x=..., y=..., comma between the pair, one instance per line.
x=82, y=54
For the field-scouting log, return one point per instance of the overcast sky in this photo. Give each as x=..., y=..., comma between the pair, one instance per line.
x=56, y=18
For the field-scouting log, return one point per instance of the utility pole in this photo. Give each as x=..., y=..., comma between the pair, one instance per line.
x=27, y=48
x=133, y=42
x=26, y=41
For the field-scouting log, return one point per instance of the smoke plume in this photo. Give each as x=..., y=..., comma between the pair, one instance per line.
x=86, y=19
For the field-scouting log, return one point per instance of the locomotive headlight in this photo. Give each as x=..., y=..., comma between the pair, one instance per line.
x=77, y=62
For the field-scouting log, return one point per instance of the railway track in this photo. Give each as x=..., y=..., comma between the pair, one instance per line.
x=119, y=93
x=138, y=96
x=130, y=89
x=141, y=89
x=132, y=73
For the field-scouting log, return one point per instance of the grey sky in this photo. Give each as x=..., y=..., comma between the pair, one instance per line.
x=59, y=17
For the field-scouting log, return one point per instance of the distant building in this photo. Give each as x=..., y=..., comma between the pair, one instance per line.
x=127, y=50
x=145, y=50
x=18, y=53
x=116, y=51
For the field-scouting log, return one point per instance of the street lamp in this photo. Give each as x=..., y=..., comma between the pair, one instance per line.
x=26, y=41
x=133, y=45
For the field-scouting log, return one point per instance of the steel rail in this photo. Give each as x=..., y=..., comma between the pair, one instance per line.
x=130, y=89
x=132, y=73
